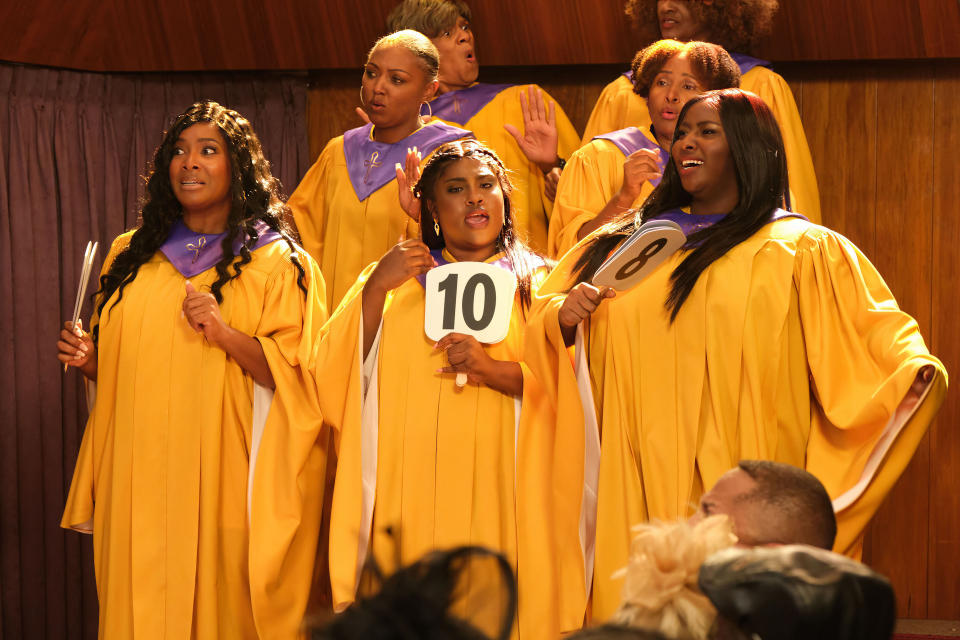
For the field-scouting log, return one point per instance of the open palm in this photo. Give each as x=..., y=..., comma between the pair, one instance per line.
x=539, y=138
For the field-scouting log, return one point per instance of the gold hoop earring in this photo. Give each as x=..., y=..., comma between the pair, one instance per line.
x=429, y=110
x=436, y=227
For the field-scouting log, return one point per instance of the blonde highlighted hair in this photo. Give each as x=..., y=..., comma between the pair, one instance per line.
x=660, y=589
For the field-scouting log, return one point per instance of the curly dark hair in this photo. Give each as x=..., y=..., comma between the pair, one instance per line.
x=713, y=66
x=736, y=25
x=523, y=260
x=255, y=193
x=756, y=148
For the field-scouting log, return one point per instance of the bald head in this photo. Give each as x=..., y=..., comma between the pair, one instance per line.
x=773, y=503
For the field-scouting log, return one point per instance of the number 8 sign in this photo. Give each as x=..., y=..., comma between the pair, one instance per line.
x=472, y=298
x=645, y=250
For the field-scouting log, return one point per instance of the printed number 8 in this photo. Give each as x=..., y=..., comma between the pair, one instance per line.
x=637, y=263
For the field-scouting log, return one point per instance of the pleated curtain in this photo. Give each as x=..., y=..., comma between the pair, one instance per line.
x=74, y=148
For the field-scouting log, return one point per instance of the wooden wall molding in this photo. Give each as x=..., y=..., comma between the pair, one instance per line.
x=275, y=35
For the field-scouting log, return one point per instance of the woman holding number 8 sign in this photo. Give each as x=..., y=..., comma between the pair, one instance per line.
x=764, y=337
x=419, y=456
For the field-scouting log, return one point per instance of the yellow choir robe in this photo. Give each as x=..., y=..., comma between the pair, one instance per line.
x=484, y=109
x=789, y=348
x=432, y=462
x=345, y=231
x=592, y=177
x=618, y=107
x=203, y=489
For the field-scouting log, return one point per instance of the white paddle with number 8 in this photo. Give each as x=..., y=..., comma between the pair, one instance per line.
x=472, y=298
x=646, y=249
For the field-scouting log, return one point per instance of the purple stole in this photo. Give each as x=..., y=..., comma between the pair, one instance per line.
x=371, y=164
x=632, y=139
x=691, y=223
x=746, y=62
x=192, y=253
x=743, y=61
x=461, y=105
x=503, y=263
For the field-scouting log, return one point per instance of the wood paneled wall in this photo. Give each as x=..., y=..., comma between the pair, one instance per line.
x=884, y=139
x=181, y=35
x=865, y=30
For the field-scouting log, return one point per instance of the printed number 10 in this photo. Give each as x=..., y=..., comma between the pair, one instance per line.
x=448, y=287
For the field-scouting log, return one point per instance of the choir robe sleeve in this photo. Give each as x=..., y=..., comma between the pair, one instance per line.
x=338, y=367
x=617, y=107
x=342, y=233
x=288, y=455
x=774, y=90
x=308, y=201
x=78, y=512
x=592, y=177
x=863, y=354
x=551, y=467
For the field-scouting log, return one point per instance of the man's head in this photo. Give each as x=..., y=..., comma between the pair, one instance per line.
x=772, y=503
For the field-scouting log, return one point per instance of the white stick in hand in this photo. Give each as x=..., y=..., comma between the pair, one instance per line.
x=88, y=256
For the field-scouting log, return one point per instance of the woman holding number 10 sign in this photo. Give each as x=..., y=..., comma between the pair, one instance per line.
x=437, y=459
x=764, y=337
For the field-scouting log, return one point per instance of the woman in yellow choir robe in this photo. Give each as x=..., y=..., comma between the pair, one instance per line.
x=492, y=111
x=423, y=463
x=766, y=337
x=346, y=205
x=618, y=170
x=737, y=25
x=200, y=474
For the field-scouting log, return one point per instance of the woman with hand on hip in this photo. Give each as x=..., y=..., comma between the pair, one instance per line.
x=764, y=337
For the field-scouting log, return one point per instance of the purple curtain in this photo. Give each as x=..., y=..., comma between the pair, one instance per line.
x=73, y=149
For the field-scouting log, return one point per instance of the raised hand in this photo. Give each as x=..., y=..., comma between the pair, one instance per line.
x=539, y=139
x=407, y=259
x=639, y=167
x=75, y=348
x=407, y=177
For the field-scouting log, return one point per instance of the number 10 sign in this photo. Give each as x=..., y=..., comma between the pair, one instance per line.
x=472, y=298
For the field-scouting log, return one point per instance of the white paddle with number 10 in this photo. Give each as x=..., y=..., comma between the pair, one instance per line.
x=472, y=298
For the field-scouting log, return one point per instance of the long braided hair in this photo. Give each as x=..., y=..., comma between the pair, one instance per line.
x=523, y=260
x=255, y=196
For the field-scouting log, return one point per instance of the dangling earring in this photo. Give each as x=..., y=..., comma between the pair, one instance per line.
x=436, y=227
x=429, y=111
